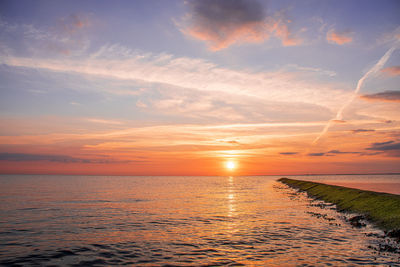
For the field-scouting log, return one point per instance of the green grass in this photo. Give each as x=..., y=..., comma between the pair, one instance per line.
x=382, y=209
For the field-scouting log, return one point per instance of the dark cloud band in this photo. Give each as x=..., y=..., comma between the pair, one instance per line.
x=389, y=96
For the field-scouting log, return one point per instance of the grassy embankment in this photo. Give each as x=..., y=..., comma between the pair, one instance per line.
x=382, y=209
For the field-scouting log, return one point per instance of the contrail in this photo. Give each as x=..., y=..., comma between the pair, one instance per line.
x=373, y=70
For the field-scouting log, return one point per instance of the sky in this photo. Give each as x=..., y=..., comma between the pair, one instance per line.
x=184, y=87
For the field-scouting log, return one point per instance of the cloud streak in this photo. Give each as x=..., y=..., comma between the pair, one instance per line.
x=373, y=70
x=52, y=158
x=391, y=148
x=224, y=23
x=333, y=152
x=362, y=131
x=387, y=96
x=316, y=154
x=288, y=153
x=189, y=73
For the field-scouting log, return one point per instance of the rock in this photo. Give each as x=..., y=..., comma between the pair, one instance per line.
x=356, y=221
x=394, y=234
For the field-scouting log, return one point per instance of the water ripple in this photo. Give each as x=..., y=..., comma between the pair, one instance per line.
x=218, y=221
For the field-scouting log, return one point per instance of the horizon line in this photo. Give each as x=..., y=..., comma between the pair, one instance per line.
x=167, y=175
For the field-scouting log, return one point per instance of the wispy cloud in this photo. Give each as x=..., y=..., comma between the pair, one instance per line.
x=161, y=143
x=66, y=37
x=190, y=73
x=387, y=96
x=392, y=71
x=52, y=158
x=362, y=131
x=380, y=144
x=320, y=154
x=339, y=115
x=102, y=121
x=310, y=69
x=288, y=153
x=223, y=23
x=339, y=38
x=392, y=36
x=391, y=148
x=335, y=151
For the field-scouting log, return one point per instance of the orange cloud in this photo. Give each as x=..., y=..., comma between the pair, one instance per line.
x=339, y=38
x=250, y=33
x=392, y=71
x=224, y=23
x=258, y=148
x=287, y=38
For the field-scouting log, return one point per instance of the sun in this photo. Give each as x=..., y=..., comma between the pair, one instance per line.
x=230, y=165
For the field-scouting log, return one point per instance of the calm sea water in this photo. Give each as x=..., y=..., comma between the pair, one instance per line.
x=180, y=221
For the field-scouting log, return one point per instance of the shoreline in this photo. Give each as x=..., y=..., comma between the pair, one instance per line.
x=381, y=209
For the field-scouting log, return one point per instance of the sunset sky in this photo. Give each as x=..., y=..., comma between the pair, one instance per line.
x=183, y=87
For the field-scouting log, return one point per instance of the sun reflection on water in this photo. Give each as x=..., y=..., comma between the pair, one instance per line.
x=231, y=197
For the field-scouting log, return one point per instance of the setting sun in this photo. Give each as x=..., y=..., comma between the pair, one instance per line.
x=230, y=165
x=176, y=132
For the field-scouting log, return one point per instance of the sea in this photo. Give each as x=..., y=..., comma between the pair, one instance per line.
x=55, y=220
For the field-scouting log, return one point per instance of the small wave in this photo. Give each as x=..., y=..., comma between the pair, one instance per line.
x=91, y=262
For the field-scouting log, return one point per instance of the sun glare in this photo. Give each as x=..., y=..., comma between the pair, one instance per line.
x=230, y=165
